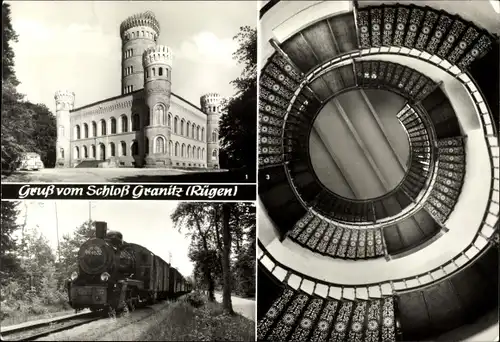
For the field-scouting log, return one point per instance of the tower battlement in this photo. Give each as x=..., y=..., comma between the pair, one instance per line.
x=65, y=96
x=157, y=54
x=210, y=99
x=147, y=19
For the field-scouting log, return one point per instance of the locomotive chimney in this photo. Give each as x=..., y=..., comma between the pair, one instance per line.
x=100, y=229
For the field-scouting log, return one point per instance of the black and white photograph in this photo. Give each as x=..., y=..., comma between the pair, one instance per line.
x=135, y=91
x=127, y=271
x=378, y=171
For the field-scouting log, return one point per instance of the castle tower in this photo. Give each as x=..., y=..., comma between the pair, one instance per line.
x=138, y=33
x=65, y=101
x=211, y=104
x=157, y=64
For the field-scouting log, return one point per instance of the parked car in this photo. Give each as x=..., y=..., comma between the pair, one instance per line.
x=29, y=161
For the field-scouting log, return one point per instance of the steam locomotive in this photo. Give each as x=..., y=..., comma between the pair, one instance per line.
x=114, y=275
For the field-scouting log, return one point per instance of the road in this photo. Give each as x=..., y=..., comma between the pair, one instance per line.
x=245, y=307
x=130, y=175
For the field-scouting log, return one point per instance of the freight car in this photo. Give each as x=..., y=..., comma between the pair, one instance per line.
x=114, y=275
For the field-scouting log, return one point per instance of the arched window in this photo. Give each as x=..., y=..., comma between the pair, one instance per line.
x=193, y=130
x=85, y=152
x=134, y=149
x=112, y=149
x=123, y=151
x=160, y=71
x=94, y=129
x=176, y=124
x=198, y=153
x=176, y=149
x=182, y=127
x=202, y=153
x=102, y=151
x=85, y=130
x=193, y=152
x=113, y=125
x=77, y=131
x=61, y=153
x=146, y=146
x=169, y=120
x=214, y=154
x=160, y=145
x=203, y=134
x=198, y=133
x=92, y=150
x=159, y=115
x=183, y=150
x=188, y=128
x=135, y=122
x=153, y=69
x=214, y=135
x=77, y=153
x=170, y=148
x=103, y=127
x=124, y=123
x=188, y=152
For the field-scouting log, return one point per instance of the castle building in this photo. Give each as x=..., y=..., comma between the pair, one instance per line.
x=147, y=125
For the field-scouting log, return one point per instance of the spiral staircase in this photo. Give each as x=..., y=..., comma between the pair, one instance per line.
x=378, y=172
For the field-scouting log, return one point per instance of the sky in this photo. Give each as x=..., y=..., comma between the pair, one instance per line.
x=76, y=46
x=146, y=223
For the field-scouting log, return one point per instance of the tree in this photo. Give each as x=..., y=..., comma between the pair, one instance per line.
x=8, y=36
x=9, y=260
x=238, y=126
x=226, y=267
x=193, y=217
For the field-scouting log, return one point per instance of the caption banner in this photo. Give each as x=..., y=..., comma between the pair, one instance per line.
x=228, y=192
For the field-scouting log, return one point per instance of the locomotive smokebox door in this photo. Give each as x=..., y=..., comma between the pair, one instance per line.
x=101, y=229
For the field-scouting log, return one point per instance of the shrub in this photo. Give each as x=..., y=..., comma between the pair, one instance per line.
x=195, y=299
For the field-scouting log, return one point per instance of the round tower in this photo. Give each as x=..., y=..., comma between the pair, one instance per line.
x=211, y=104
x=65, y=101
x=138, y=33
x=157, y=64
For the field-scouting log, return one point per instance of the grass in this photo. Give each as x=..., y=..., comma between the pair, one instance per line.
x=195, y=320
x=22, y=316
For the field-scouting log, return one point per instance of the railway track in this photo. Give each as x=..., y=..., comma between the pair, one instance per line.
x=38, y=330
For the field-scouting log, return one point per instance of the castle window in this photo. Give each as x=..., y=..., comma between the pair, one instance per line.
x=198, y=153
x=202, y=134
x=103, y=127
x=214, y=136
x=193, y=129
x=153, y=69
x=170, y=148
x=77, y=153
x=92, y=150
x=176, y=124
x=159, y=115
x=85, y=152
x=159, y=145
x=214, y=154
x=135, y=122
x=85, y=130
x=77, y=132
x=147, y=73
x=182, y=127
x=160, y=71
x=132, y=70
x=112, y=150
x=169, y=120
x=188, y=126
x=124, y=123
x=134, y=149
x=123, y=151
x=94, y=129
x=61, y=153
x=142, y=33
x=198, y=133
x=188, y=152
x=146, y=146
x=132, y=88
x=176, y=149
x=102, y=152
x=202, y=153
x=113, y=126
x=193, y=152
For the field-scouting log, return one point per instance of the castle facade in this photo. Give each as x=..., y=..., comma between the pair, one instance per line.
x=147, y=125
